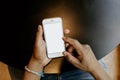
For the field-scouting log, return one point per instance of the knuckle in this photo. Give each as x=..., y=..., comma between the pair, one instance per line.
x=87, y=46
x=75, y=41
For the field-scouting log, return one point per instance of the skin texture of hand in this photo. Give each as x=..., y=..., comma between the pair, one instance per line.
x=39, y=51
x=85, y=59
x=85, y=55
x=39, y=58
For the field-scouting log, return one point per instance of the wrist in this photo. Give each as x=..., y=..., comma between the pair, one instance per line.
x=98, y=73
x=94, y=68
x=34, y=72
x=35, y=65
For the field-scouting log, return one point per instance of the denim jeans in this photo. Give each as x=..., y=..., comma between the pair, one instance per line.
x=73, y=74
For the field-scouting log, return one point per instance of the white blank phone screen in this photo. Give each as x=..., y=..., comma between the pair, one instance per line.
x=53, y=37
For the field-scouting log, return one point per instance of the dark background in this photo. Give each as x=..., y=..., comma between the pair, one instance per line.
x=93, y=22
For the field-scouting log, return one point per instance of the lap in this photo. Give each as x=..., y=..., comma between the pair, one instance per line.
x=73, y=74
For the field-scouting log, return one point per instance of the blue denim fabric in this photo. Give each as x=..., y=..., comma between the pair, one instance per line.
x=73, y=74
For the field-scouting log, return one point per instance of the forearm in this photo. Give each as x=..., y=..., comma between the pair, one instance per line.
x=100, y=74
x=35, y=67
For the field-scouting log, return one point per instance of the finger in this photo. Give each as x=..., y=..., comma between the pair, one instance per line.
x=39, y=34
x=70, y=49
x=73, y=60
x=86, y=46
x=77, y=46
x=80, y=57
x=66, y=31
x=66, y=44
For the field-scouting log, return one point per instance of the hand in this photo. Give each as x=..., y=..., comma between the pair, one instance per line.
x=39, y=52
x=85, y=60
x=39, y=58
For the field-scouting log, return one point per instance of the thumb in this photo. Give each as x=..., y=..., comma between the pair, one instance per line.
x=39, y=34
x=73, y=60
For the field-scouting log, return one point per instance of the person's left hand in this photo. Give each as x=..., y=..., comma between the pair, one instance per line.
x=39, y=51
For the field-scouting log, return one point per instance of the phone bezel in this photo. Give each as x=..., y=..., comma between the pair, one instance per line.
x=50, y=21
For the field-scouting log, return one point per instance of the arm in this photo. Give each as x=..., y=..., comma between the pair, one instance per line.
x=85, y=59
x=39, y=59
x=35, y=66
x=99, y=74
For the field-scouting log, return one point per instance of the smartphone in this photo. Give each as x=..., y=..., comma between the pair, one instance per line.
x=53, y=33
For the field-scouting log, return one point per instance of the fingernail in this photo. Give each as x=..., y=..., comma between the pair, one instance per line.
x=67, y=44
x=67, y=31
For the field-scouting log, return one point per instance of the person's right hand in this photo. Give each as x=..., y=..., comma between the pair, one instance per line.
x=85, y=60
